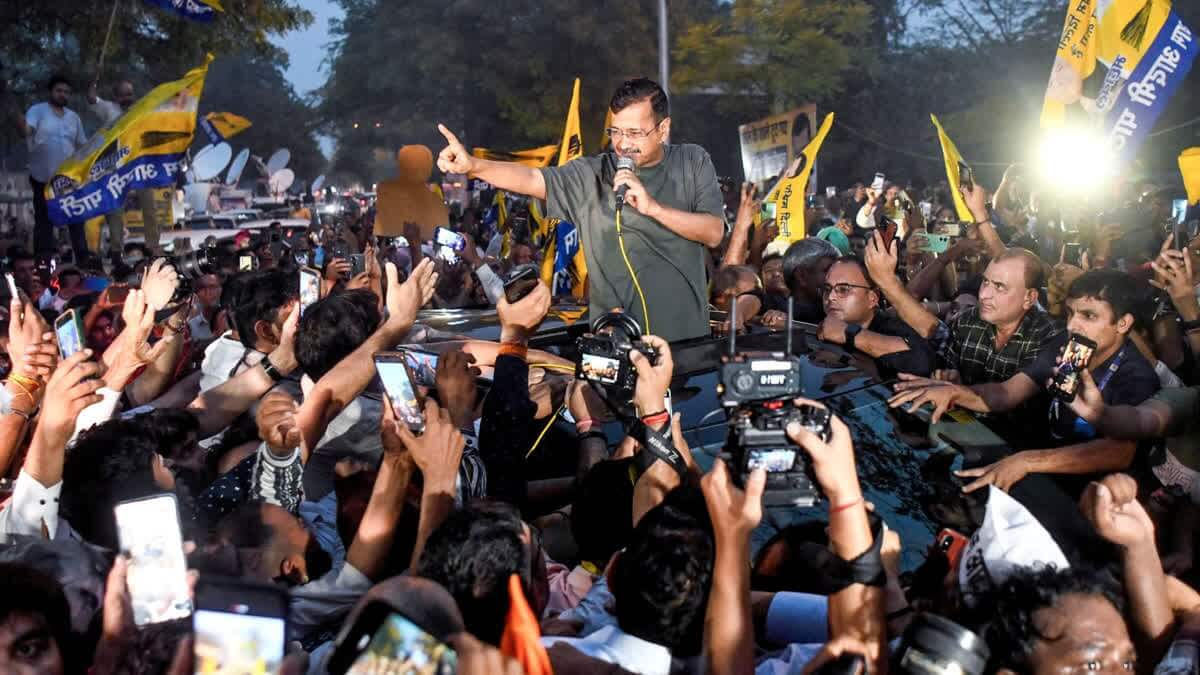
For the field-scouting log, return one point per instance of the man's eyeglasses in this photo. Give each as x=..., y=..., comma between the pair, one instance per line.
x=632, y=134
x=841, y=290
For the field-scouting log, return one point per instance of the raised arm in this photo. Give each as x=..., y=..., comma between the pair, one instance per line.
x=739, y=239
x=977, y=201
x=437, y=453
x=373, y=540
x=510, y=176
x=337, y=388
x=1149, y=419
x=881, y=263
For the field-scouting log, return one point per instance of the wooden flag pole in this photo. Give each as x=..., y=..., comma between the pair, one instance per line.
x=112, y=18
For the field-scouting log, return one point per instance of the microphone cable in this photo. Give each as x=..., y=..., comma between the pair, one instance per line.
x=633, y=275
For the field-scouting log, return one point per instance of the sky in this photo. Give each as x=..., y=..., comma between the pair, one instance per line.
x=306, y=50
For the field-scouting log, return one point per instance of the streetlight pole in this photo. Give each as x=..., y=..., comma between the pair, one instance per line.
x=664, y=60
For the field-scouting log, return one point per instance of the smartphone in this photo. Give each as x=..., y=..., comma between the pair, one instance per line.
x=830, y=191
x=117, y=293
x=950, y=229
x=520, y=283
x=966, y=177
x=889, y=233
x=1073, y=359
x=245, y=263
x=444, y=236
x=12, y=286
x=951, y=544
x=310, y=288
x=877, y=184
x=926, y=210
x=148, y=530
x=1179, y=209
x=383, y=640
x=1073, y=253
x=399, y=384
x=358, y=264
x=301, y=258
x=69, y=333
x=768, y=211
x=239, y=627
x=810, y=201
x=935, y=243
x=423, y=366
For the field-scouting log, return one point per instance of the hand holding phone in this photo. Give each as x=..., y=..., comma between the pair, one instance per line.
x=520, y=283
x=240, y=627
x=401, y=389
x=148, y=530
x=69, y=333
x=310, y=288
x=1071, y=361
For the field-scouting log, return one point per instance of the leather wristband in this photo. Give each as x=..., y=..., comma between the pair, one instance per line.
x=513, y=349
x=272, y=370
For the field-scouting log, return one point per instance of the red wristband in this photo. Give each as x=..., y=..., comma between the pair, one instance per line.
x=838, y=509
x=513, y=349
x=584, y=425
x=656, y=419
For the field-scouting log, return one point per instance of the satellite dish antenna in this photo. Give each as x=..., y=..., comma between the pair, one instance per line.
x=239, y=165
x=279, y=159
x=281, y=180
x=211, y=160
x=318, y=183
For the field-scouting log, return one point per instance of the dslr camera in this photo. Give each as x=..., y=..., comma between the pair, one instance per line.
x=757, y=389
x=604, y=355
x=191, y=265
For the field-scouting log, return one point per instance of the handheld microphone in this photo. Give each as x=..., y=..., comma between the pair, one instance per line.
x=623, y=162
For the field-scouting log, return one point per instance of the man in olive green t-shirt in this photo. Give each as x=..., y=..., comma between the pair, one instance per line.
x=674, y=209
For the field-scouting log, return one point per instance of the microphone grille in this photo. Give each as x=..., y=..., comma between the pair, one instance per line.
x=624, y=162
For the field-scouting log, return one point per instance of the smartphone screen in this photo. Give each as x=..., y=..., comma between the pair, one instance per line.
x=239, y=627
x=148, y=530
x=401, y=646
x=1073, y=253
x=768, y=211
x=831, y=191
x=398, y=382
x=423, y=366
x=66, y=329
x=1179, y=208
x=889, y=233
x=245, y=263
x=877, y=183
x=310, y=288
x=966, y=177
x=450, y=239
x=1073, y=359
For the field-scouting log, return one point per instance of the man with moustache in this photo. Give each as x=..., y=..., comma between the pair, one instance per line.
x=674, y=209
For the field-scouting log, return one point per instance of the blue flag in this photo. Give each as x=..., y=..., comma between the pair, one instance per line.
x=196, y=10
x=1159, y=73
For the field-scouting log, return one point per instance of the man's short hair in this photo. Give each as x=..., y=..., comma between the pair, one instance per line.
x=262, y=294
x=1013, y=632
x=802, y=255
x=472, y=555
x=332, y=328
x=640, y=89
x=1122, y=292
x=57, y=79
x=662, y=579
x=26, y=591
x=857, y=262
x=770, y=257
x=1035, y=272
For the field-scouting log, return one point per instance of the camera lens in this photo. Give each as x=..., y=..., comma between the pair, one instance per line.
x=934, y=645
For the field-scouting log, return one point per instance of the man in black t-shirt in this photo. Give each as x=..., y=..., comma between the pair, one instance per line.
x=852, y=319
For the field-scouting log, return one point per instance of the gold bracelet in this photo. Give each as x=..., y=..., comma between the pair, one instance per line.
x=23, y=382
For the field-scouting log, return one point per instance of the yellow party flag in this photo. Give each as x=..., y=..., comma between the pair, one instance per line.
x=604, y=139
x=956, y=171
x=534, y=157
x=1189, y=166
x=1074, y=61
x=789, y=193
x=572, y=142
x=227, y=124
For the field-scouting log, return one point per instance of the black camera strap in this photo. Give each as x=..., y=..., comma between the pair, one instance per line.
x=655, y=446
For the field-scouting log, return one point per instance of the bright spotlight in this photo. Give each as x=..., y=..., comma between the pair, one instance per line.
x=1074, y=160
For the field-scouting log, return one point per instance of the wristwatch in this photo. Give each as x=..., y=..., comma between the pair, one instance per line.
x=852, y=331
x=271, y=369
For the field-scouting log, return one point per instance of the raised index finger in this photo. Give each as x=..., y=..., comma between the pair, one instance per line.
x=450, y=137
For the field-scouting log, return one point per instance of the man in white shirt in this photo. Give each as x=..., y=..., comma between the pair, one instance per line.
x=52, y=132
x=109, y=112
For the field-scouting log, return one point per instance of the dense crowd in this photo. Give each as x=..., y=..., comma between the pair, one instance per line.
x=1071, y=332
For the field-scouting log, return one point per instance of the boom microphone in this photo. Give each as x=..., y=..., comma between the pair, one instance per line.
x=623, y=162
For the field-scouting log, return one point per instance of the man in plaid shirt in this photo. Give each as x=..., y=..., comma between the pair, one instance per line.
x=991, y=351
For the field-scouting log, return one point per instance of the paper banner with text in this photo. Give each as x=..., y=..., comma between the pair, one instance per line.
x=196, y=10
x=789, y=195
x=770, y=145
x=534, y=157
x=141, y=149
x=221, y=126
x=956, y=170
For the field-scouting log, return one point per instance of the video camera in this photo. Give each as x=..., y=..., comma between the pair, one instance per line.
x=604, y=355
x=758, y=388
